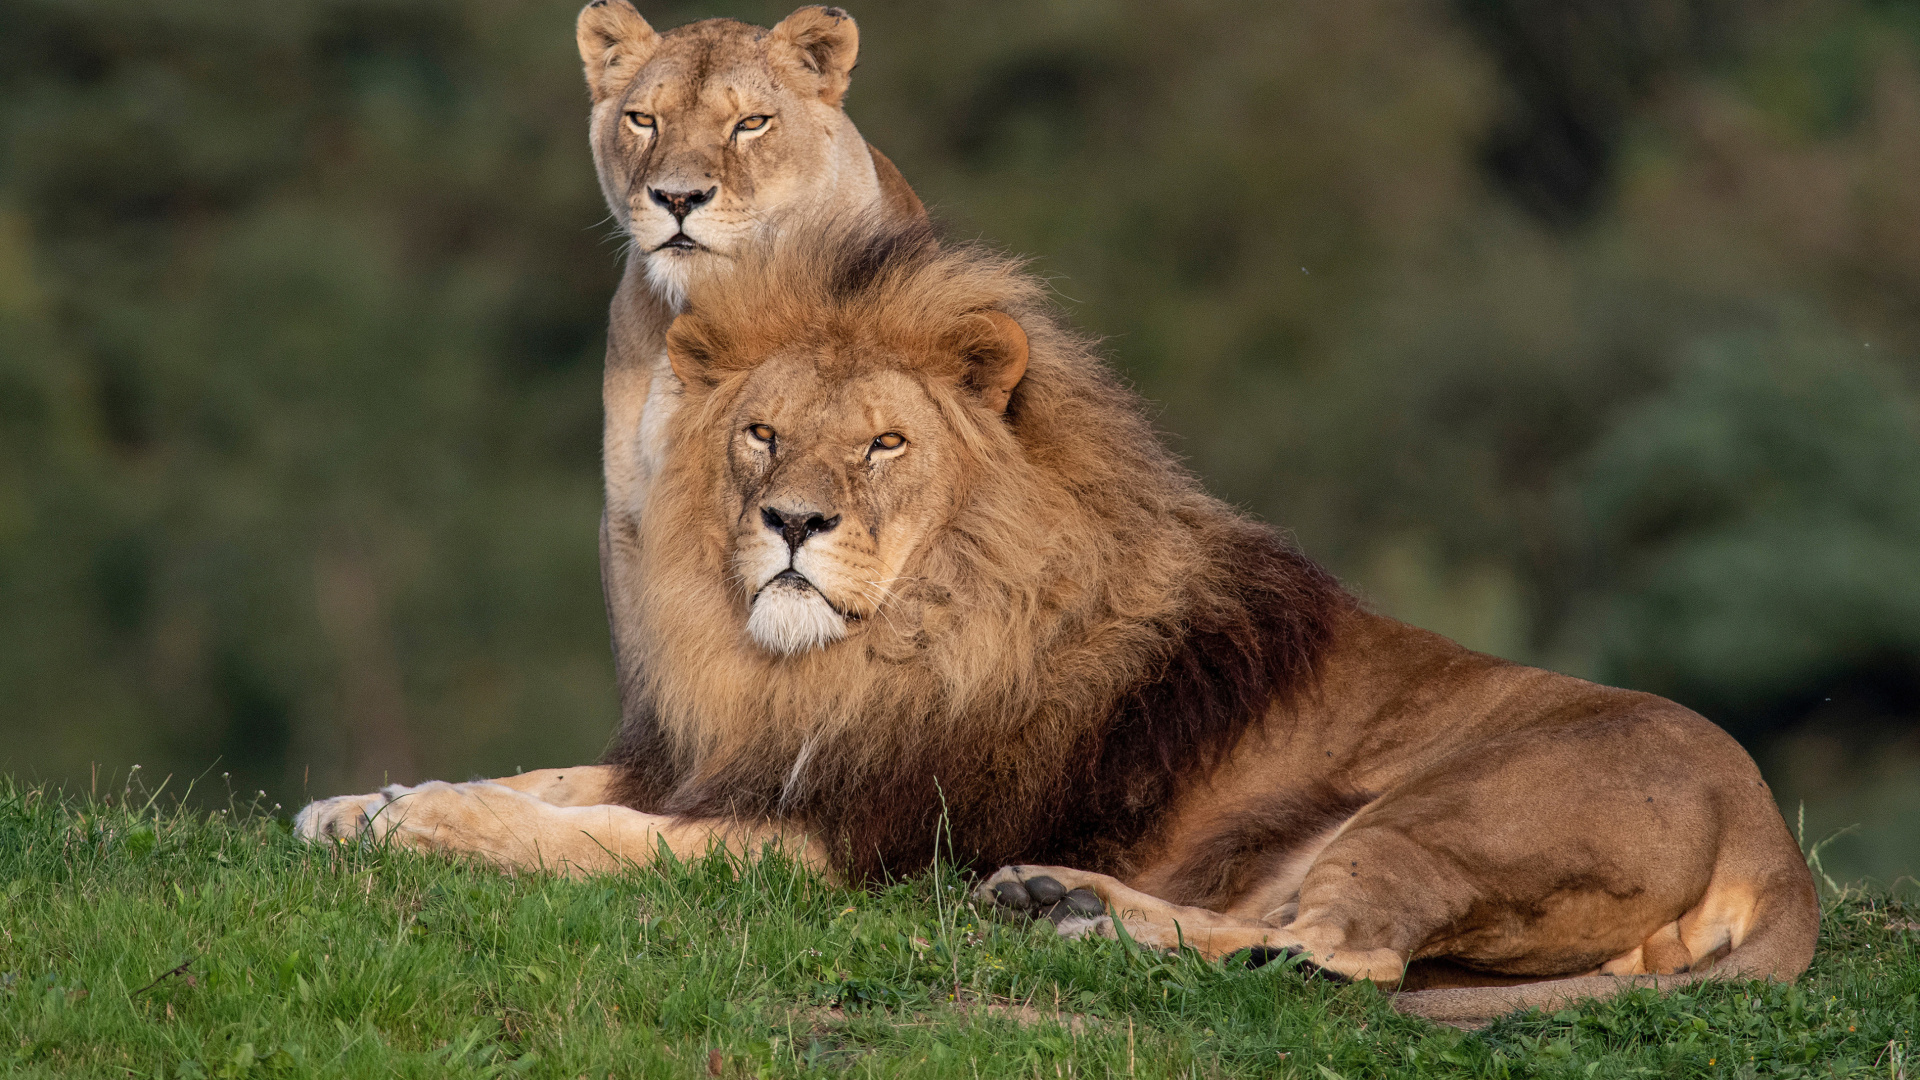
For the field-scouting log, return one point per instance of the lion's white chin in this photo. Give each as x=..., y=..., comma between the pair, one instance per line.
x=790, y=619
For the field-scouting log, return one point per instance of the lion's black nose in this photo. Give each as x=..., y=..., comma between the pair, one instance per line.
x=797, y=526
x=681, y=203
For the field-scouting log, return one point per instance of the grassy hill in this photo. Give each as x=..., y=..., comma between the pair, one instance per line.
x=141, y=941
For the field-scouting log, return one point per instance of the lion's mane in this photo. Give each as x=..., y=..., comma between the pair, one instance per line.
x=1088, y=632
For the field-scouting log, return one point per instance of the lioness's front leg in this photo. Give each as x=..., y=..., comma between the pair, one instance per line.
x=516, y=830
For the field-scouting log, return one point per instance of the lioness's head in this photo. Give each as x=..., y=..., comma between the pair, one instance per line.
x=704, y=132
x=844, y=451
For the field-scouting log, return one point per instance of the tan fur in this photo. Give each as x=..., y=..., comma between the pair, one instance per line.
x=512, y=823
x=696, y=84
x=1042, y=619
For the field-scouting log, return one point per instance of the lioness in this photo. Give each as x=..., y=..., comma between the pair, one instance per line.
x=703, y=138
x=917, y=567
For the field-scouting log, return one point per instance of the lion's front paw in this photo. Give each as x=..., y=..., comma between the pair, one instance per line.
x=1027, y=892
x=347, y=817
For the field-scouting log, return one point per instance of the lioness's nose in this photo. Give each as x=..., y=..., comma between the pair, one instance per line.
x=797, y=526
x=681, y=203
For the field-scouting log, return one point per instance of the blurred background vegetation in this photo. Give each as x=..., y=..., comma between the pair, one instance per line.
x=1586, y=331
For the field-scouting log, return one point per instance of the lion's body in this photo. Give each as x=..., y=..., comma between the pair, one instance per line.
x=915, y=566
x=1106, y=668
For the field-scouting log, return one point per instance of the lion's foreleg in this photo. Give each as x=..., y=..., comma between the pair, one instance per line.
x=1156, y=923
x=516, y=830
x=1155, y=917
x=582, y=785
x=347, y=817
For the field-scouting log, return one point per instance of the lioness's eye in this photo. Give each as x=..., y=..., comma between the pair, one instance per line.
x=892, y=440
x=752, y=123
x=639, y=121
x=761, y=432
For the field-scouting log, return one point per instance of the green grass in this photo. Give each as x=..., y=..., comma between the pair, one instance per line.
x=294, y=961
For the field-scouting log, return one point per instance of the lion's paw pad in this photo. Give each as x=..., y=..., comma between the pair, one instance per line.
x=1044, y=897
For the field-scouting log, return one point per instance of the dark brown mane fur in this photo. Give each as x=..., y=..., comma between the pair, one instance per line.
x=1165, y=628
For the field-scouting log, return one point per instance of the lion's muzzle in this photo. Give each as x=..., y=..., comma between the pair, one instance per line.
x=790, y=616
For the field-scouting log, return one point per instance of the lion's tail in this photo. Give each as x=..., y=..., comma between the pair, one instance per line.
x=1780, y=947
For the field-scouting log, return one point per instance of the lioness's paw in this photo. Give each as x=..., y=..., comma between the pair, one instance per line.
x=1011, y=893
x=347, y=817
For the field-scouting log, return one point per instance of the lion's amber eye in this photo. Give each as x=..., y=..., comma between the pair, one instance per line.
x=761, y=432
x=639, y=121
x=892, y=440
x=752, y=123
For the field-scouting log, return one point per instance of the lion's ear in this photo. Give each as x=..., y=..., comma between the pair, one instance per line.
x=690, y=352
x=614, y=42
x=826, y=42
x=995, y=348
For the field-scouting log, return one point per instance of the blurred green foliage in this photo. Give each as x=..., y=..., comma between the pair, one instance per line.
x=1583, y=331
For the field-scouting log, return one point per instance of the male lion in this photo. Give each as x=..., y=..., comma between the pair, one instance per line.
x=703, y=137
x=917, y=567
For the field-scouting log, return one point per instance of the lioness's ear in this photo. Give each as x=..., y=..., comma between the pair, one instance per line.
x=826, y=42
x=689, y=351
x=614, y=42
x=996, y=350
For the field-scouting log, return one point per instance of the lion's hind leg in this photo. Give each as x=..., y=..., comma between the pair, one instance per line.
x=1622, y=850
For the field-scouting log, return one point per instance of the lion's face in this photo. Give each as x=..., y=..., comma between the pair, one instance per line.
x=705, y=133
x=839, y=463
x=831, y=484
